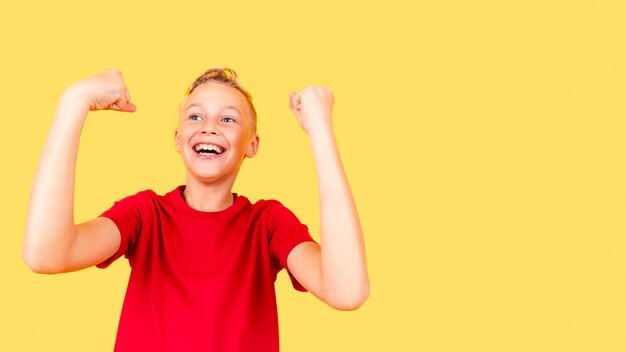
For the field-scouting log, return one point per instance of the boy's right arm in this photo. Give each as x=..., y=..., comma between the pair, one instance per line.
x=53, y=243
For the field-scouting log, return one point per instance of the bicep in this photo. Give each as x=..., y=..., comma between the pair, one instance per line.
x=304, y=263
x=96, y=241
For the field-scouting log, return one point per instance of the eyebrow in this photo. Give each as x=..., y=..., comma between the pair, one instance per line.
x=227, y=107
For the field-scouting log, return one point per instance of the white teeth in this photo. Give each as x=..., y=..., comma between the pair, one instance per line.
x=208, y=148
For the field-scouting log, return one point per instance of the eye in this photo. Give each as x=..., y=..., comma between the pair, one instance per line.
x=195, y=117
x=228, y=119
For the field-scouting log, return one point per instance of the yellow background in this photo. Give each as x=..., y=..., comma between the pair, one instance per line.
x=484, y=141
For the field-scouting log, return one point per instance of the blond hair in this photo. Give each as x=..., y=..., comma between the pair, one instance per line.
x=227, y=76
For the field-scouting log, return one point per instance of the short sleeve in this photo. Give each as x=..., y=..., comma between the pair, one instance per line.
x=286, y=232
x=127, y=215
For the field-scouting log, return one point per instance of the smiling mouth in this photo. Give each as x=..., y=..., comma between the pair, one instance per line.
x=208, y=149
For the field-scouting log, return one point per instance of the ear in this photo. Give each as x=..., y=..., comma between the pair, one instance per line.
x=176, y=140
x=253, y=147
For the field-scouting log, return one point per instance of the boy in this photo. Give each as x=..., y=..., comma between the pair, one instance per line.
x=203, y=259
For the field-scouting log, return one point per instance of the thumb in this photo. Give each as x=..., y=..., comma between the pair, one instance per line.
x=129, y=107
x=291, y=95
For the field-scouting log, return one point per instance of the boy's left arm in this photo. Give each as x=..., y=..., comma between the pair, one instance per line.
x=336, y=271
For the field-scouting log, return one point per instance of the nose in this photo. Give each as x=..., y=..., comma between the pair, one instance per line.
x=209, y=128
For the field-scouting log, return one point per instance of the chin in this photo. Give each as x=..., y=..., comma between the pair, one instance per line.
x=210, y=176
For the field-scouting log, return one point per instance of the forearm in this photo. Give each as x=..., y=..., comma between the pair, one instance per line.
x=50, y=227
x=343, y=267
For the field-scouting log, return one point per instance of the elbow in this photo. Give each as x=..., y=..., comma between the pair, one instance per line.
x=40, y=267
x=352, y=300
x=38, y=263
x=43, y=253
x=32, y=263
x=35, y=264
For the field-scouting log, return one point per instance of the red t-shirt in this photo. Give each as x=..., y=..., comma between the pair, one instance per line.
x=202, y=281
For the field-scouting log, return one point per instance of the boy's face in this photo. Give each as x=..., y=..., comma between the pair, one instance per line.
x=215, y=132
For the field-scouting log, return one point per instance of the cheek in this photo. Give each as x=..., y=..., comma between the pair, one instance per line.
x=180, y=140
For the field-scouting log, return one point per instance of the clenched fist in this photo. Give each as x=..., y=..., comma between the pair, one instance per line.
x=313, y=107
x=104, y=91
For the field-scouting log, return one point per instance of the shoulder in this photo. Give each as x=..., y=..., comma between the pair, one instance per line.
x=275, y=212
x=140, y=197
x=262, y=208
x=266, y=203
x=145, y=199
x=268, y=206
x=148, y=193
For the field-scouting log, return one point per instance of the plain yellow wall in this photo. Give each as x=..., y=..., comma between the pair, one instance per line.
x=484, y=141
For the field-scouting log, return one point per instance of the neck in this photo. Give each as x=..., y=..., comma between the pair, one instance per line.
x=208, y=198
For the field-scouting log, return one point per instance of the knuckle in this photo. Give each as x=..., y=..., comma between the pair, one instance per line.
x=112, y=72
